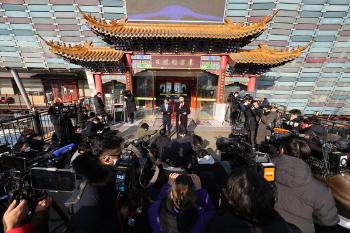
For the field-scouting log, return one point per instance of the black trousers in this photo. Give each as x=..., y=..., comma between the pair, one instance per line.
x=252, y=137
x=235, y=117
x=167, y=123
x=131, y=117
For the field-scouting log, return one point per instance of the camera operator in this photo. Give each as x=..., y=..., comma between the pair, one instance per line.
x=312, y=127
x=294, y=121
x=15, y=218
x=67, y=130
x=100, y=106
x=265, y=123
x=263, y=102
x=60, y=118
x=211, y=173
x=54, y=112
x=95, y=208
x=301, y=199
x=82, y=114
x=143, y=133
x=233, y=100
x=93, y=126
x=130, y=106
x=250, y=109
x=182, y=206
x=248, y=206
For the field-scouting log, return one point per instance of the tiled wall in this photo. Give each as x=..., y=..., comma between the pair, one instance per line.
x=320, y=79
x=317, y=81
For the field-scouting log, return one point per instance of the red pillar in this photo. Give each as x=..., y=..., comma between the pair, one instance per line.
x=98, y=82
x=220, y=98
x=128, y=72
x=251, y=83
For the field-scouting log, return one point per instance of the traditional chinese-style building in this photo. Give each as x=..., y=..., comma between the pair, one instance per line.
x=195, y=60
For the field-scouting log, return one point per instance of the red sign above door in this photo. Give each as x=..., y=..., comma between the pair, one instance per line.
x=176, y=62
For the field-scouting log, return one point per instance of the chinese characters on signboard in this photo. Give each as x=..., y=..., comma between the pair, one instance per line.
x=176, y=62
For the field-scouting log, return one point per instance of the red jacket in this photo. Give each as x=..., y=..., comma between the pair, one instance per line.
x=22, y=229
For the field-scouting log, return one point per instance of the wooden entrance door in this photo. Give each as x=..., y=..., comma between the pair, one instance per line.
x=65, y=89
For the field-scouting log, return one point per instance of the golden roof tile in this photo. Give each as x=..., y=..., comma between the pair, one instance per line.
x=85, y=52
x=124, y=29
x=266, y=56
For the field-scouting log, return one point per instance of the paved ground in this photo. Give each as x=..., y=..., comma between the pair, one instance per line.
x=208, y=130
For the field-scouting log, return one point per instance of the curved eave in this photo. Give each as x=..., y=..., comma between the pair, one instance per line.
x=266, y=56
x=85, y=52
x=227, y=31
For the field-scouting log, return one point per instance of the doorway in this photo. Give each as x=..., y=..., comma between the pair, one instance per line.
x=197, y=87
x=174, y=87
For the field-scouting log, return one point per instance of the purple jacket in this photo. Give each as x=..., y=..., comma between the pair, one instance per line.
x=205, y=211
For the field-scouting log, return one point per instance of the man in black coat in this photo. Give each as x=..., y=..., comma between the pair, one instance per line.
x=166, y=110
x=130, y=106
x=182, y=112
x=99, y=105
x=54, y=112
x=233, y=100
x=249, y=109
x=67, y=130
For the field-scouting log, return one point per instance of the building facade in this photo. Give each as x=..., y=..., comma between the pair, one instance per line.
x=190, y=60
x=317, y=80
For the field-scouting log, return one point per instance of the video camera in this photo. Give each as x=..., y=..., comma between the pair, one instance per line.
x=325, y=159
x=130, y=169
x=240, y=153
x=29, y=179
x=64, y=109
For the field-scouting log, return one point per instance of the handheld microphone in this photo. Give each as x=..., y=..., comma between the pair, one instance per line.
x=59, y=152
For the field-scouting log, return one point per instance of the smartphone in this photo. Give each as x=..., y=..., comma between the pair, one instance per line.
x=53, y=179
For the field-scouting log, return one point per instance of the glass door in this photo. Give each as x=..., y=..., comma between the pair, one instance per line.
x=144, y=93
x=207, y=84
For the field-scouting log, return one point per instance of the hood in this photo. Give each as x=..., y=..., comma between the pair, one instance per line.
x=93, y=171
x=292, y=172
x=186, y=139
x=208, y=159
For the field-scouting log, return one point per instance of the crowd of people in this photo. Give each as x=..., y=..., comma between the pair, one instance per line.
x=260, y=117
x=187, y=189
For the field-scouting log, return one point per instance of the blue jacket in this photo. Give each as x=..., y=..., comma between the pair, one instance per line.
x=206, y=211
